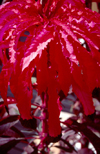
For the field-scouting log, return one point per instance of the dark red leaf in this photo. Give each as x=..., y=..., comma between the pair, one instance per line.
x=9, y=119
x=94, y=139
x=64, y=148
x=69, y=145
x=9, y=145
x=85, y=151
x=17, y=131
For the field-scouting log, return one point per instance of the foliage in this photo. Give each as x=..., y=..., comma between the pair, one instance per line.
x=47, y=38
x=52, y=31
x=78, y=133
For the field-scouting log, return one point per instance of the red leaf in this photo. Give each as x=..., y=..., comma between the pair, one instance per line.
x=53, y=110
x=82, y=91
x=4, y=79
x=42, y=73
x=36, y=47
x=24, y=96
x=64, y=76
x=21, y=87
x=50, y=7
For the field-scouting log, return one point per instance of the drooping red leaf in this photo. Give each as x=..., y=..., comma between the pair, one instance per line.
x=42, y=73
x=22, y=90
x=24, y=96
x=82, y=91
x=61, y=65
x=53, y=110
x=4, y=79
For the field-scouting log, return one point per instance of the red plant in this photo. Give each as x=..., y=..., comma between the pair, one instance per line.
x=52, y=31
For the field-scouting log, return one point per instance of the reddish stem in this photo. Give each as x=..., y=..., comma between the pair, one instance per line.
x=44, y=116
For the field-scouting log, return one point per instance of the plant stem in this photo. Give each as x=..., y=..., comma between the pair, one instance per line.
x=44, y=115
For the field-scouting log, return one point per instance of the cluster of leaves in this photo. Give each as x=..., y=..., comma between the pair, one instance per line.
x=46, y=37
x=51, y=32
x=13, y=129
